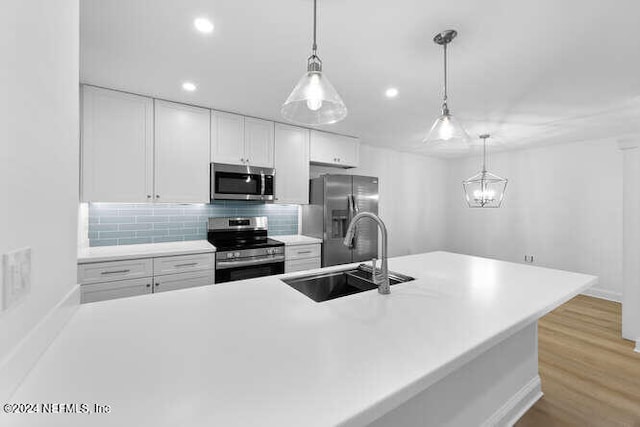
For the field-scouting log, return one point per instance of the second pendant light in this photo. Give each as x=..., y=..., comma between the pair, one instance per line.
x=484, y=189
x=447, y=134
x=314, y=100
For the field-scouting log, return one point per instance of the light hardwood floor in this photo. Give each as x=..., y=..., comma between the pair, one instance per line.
x=590, y=375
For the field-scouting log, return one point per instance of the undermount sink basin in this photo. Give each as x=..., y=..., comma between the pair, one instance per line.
x=326, y=286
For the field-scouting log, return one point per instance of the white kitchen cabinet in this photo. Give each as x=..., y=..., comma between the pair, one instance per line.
x=172, y=282
x=181, y=153
x=183, y=263
x=139, y=276
x=117, y=146
x=258, y=142
x=239, y=140
x=113, y=290
x=334, y=150
x=301, y=257
x=227, y=138
x=109, y=271
x=301, y=265
x=292, y=164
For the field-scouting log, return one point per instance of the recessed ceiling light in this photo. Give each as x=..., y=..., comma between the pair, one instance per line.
x=392, y=92
x=203, y=25
x=189, y=87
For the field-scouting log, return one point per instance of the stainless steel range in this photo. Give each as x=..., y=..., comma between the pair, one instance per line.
x=243, y=250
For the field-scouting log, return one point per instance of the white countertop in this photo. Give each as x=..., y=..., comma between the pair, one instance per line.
x=297, y=239
x=146, y=250
x=259, y=353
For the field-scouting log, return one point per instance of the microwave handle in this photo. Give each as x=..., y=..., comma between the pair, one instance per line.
x=262, y=186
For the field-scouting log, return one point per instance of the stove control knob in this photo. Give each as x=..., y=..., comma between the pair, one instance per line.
x=230, y=255
x=236, y=254
x=269, y=251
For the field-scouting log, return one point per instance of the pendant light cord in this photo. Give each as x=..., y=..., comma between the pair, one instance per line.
x=484, y=152
x=315, y=12
x=445, y=74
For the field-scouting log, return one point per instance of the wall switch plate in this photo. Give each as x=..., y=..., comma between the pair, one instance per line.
x=16, y=277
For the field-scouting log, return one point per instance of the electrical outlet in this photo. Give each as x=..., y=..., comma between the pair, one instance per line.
x=528, y=259
x=16, y=278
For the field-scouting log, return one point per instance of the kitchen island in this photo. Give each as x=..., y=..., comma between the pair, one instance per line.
x=456, y=346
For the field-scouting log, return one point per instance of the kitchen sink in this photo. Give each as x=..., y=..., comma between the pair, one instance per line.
x=326, y=286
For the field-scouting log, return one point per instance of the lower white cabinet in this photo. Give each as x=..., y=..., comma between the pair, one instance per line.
x=118, y=289
x=183, y=263
x=132, y=277
x=301, y=265
x=171, y=282
x=301, y=257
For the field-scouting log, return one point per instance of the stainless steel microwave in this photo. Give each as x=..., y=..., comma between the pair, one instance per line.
x=234, y=182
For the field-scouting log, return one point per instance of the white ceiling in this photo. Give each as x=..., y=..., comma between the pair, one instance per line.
x=528, y=72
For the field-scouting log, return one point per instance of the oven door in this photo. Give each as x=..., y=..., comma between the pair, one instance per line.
x=233, y=182
x=241, y=272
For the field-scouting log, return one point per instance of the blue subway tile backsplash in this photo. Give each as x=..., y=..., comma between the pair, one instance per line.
x=128, y=224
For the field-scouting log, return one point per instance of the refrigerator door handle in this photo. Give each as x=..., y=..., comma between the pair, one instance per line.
x=355, y=211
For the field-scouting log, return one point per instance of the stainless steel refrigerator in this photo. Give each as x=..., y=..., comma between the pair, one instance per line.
x=333, y=201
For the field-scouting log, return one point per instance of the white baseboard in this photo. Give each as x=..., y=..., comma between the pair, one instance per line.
x=603, y=294
x=517, y=405
x=17, y=364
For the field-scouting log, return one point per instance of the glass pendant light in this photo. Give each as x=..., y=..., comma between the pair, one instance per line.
x=484, y=189
x=447, y=134
x=314, y=101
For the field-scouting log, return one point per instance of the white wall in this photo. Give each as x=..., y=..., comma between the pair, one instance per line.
x=563, y=206
x=412, y=196
x=39, y=167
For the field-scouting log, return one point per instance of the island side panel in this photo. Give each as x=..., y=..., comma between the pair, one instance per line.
x=495, y=388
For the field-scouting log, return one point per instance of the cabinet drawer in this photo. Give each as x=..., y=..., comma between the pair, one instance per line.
x=118, y=289
x=182, y=263
x=114, y=270
x=172, y=282
x=301, y=264
x=302, y=251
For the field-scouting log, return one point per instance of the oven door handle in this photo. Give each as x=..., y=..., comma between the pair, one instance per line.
x=223, y=264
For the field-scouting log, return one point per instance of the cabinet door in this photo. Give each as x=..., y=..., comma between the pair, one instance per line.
x=117, y=146
x=227, y=138
x=181, y=153
x=335, y=150
x=347, y=150
x=292, y=164
x=171, y=282
x=258, y=142
x=113, y=290
x=301, y=265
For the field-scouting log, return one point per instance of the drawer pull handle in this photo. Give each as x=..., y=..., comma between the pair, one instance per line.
x=304, y=252
x=157, y=284
x=116, y=271
x=188, y=264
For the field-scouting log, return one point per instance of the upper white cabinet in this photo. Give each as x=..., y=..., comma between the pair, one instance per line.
x=240, y=140
x=334, y=150
x=117, y=146
x=227, y=138
x=258, y=142
x=181, y=153
x=292, y=164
